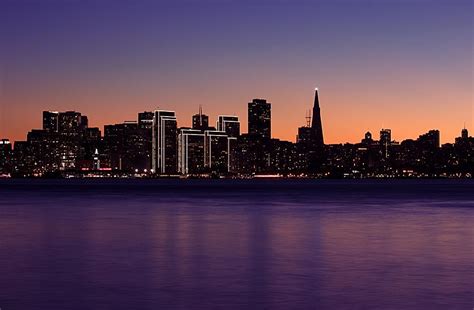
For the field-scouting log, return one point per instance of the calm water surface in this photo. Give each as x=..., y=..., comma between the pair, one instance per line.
x=91, y=244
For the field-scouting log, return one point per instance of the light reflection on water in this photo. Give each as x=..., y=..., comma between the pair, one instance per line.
x=236, y=244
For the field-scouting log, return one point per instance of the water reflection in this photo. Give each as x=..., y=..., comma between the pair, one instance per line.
x=259, y=246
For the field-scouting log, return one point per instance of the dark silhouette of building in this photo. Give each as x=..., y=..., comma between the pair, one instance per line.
x=70, y=123
x=385, y=141
x=229, y=124
x=259, y=118
x=84, y=122
x=310, y=140
x=200, y=121
x=126, y=147
x=23, y=160
x=429, y=140
x=368, y=140
x=385, y=137
x=50, y=121
x=316, y=124
x=304, y=135
x=145, y=120
x=6, y=154
x=68, y=146
x=90, y=143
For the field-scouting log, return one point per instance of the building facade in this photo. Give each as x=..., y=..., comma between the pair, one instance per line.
x=229, y=124
x=165, y=144
x=191, y=151
x=260, y=118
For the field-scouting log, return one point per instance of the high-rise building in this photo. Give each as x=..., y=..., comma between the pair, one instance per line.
x=312, y=133
x=310, y=140
x=145, y=124
x=231, y=158
x=190, y=151
x=259, y=118
x=90, y=142
x=429, y=140
x=84, y=122
x=145, y=120
x=5, y=156
x=69, y=123
x=385, y=141
x=165, y=144
x=200, y=121
x=50, y=121
x=316, y=124
x=385, y=137
x=125, y=147
x=23, y=159
x=304, y=135
x=216, y=146
x=464, y=139
x=92, y=133
x=229, y=124
x=49, y=156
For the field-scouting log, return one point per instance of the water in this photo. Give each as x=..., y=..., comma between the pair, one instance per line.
x=131, y=244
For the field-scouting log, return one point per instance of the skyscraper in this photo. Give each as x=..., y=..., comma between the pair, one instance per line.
x=125, y=147
x=200, y=121
x=310, y=139
x=216, y=151
x=69, y=123
x=385, y=137
x=259, y=118
x=385, y=141
x=429, y=140
x=50, y=121
x=145, y=124
x=165, y=144
x=84, y=122
x=145, y=120
x=190, y=151
x=229, y=124
x=5, y=156
x=316, y=124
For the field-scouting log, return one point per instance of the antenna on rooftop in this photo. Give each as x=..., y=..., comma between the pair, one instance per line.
x=308, y=118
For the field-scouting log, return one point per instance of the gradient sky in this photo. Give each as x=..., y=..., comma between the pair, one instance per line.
x=402, y=64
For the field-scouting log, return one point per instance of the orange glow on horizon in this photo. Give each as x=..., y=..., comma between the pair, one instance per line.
x=347, y=113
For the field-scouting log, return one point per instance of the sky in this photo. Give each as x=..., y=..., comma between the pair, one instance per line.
x=406, y=65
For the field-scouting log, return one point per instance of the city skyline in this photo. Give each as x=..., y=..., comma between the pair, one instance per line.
x=291, y=133
x=213, y=121
x=236, y=154
x=154, y=145
x=110, y=59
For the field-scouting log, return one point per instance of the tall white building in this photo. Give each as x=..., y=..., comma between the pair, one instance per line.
x=229, y=124
x=190, y=151
x=164, y=143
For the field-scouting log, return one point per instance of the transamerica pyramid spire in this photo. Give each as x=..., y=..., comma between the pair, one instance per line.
x=316, y=125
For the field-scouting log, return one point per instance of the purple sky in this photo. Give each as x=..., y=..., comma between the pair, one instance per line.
x=406, y=65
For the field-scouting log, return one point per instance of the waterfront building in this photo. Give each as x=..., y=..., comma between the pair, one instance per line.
x=165, y=144
x=229, y=124
x=191, y=151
